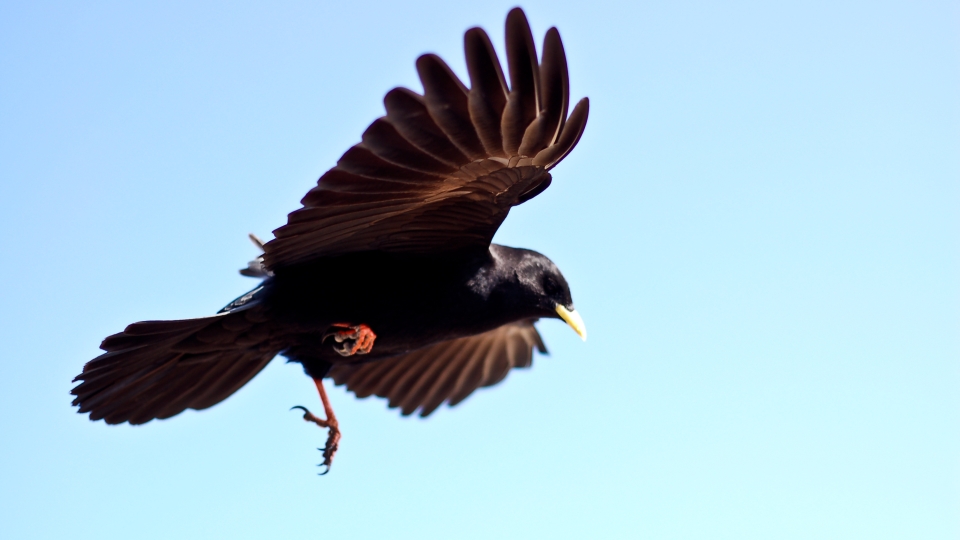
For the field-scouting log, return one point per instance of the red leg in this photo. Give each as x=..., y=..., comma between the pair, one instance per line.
x=333, y=438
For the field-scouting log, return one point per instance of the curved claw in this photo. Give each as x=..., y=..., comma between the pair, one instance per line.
x=329, y=423
x=326, y=462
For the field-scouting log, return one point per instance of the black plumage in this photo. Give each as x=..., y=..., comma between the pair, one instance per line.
x=386, y=280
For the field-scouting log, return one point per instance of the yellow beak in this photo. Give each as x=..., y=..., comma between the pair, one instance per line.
x=573, y=319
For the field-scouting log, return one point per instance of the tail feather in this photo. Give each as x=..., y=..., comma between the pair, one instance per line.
x=157, y=369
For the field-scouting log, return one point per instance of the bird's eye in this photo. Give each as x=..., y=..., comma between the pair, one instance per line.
x=551, y=287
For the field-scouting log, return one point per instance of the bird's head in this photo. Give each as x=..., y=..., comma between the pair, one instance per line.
x=536, y=283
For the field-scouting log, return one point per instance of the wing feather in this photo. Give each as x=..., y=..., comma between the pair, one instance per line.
x=523, y=101
x=407, y=112
x=555, y=90
x=383, y=139
x=448, y=105
x=488, y=90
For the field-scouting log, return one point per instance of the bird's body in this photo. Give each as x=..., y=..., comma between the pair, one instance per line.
x=386, y=279
x=411, y=301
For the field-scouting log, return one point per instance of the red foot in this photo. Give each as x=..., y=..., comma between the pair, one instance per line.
x=356, y=339
x=333, y=436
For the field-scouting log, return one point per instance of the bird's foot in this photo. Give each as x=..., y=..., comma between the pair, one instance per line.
x=333, y=436
x=356, y=339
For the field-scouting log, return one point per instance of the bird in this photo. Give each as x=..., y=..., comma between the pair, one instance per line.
x=386, y=280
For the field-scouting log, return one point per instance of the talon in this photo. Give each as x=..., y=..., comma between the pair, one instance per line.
x=356, y=339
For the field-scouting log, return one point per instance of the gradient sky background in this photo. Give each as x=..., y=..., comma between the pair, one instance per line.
x=760, y=227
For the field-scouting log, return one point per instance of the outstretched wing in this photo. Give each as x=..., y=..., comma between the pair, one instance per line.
x=441, y=171
x=448, y=371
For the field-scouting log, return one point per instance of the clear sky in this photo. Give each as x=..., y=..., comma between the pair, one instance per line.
x=760, y=227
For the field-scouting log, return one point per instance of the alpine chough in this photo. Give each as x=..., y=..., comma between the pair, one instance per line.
x=386, y=280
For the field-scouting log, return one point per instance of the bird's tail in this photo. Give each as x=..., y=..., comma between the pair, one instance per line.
x=157, y=369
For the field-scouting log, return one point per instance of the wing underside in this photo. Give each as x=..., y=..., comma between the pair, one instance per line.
x=445, y=372
x=440, y=171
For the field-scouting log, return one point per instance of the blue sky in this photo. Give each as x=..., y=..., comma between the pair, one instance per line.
x=760, y=227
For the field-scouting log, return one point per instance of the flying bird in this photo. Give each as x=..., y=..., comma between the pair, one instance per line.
x=386, y=280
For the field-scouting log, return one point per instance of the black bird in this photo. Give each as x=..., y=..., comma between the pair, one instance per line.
x=386, y=280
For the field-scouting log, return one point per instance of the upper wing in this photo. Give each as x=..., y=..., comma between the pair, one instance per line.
x=448, y=371
x=441, y=171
